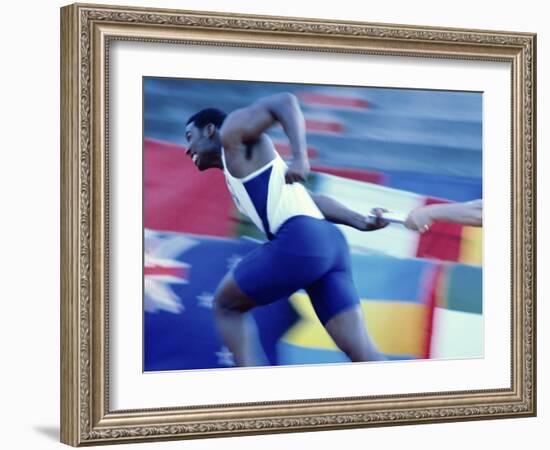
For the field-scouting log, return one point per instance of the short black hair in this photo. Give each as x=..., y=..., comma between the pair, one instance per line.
x=206, y=116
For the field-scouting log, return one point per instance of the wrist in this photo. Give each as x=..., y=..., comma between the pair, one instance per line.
x=432, y=212
x=359, y=221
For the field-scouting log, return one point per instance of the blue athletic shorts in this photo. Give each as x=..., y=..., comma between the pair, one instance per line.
x=306, y=253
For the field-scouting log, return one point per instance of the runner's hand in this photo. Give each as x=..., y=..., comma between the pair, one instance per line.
x=378, y=222
x=419, y=220
x=297, y=171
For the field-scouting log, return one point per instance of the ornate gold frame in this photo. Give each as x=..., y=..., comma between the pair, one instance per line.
x=86, y=31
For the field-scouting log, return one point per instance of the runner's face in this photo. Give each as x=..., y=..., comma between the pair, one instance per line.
x=202, y=146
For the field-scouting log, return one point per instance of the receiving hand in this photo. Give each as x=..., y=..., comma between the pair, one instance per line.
x=418, y=220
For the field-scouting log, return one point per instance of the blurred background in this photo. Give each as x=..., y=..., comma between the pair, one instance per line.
x=393, y=148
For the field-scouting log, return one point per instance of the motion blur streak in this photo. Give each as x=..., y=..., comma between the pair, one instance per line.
x=394, y=148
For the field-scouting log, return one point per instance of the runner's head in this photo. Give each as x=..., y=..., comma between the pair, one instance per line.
x=202, y=132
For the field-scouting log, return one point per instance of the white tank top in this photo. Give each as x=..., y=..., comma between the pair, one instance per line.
x=266, y=198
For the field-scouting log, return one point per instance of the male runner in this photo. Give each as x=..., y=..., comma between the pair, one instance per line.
x=304, y=251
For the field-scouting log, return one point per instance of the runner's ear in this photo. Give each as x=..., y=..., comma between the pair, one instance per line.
x=209, y=130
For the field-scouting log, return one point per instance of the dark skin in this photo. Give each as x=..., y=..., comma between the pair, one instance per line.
x=244, y=130
x=247, y=126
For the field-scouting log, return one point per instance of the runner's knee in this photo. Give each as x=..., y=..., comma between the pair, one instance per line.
x=229, y=298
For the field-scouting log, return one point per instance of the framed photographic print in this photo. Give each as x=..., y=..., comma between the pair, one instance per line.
x=286, y=224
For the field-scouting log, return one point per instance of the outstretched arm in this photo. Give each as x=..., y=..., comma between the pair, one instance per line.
x=335, y=212
x=247, y=124
x=468, y=213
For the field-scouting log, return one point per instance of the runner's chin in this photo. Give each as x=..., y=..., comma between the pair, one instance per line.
x=197, y=162
x=202, y=167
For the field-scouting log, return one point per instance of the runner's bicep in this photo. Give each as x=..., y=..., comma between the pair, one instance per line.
x=246, y=124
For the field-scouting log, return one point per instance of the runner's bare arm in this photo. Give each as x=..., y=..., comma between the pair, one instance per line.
x=247, y=124
x=336, y=212
x=467, y=213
